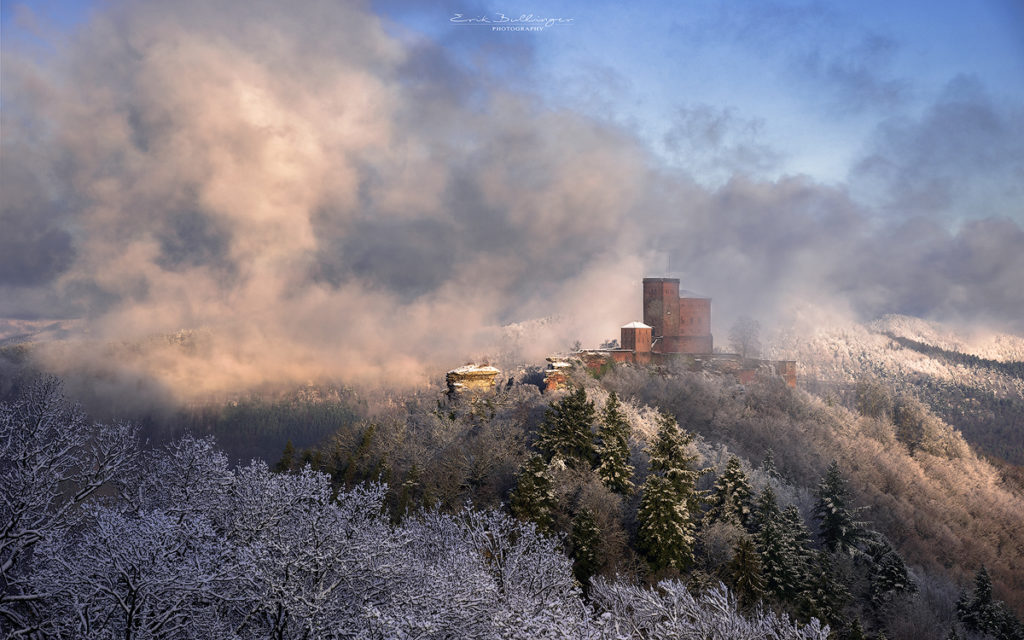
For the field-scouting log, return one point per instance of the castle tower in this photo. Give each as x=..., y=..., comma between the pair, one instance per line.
x=636, y=336
x=680, y=323
x=661, y=306
x=694, y=323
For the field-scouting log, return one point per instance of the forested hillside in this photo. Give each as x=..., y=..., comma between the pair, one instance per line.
x=645, y=502
x=926, y=512
x=974, y=383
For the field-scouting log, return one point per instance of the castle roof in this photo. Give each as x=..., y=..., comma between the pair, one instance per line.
x=683, y=293
x=636, y=325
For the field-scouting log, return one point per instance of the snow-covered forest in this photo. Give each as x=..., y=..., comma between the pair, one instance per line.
x=643, y=504
x=101, y=539
x=973, y=382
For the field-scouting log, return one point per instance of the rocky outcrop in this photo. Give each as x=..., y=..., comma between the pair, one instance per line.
x=556, y=375
x=471, y=377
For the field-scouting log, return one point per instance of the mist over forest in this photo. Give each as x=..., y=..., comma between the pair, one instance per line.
x=242, y=242
x=244, y=197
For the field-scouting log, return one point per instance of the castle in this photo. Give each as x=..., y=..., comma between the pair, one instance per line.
x=676, y=327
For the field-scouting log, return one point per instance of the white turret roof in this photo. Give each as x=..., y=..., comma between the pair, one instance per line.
x=635, y=325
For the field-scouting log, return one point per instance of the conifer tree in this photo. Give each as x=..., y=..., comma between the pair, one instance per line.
x=983, y=614
x=566, y=430
x=798, y=535
x=667, y=532
x=584, y=539
x=533, y=498
x=671, y=458
x=838, y=528
x=888, y=576
x=826, y=596
x=798, y=540
x=613, y=451
x=743, y=573
x=768, y=464
x=731, y=495
x=856, y=632
x=783, y=577
x=667, y=529
x=287, y=458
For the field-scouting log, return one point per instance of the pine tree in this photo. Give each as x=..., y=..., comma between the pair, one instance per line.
x=838, y=528
x=731, y=496
x=888, y=576
x=768, y=464
x=287, y=458
x=613, y=451
x=782, y=568
x=667, y=529
x=667, y=532
x=798, y=534
x=827, y=596
x=855, y=632
x=743, y=573
x=798, y=540
x=566, y=430
x=533, y=498
x=983, y=614
x=585, y=537
x=671, y=458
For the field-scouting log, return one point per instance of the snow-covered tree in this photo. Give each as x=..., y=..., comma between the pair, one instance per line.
x=743, y=573
x=584, y=541
x=671, y=611
x=53, y=462
x=567, y=430
x=314, y=564
x=826, y=597
x=667, y=531
x=837, y=524
x=888, y=575
x=982, y=613
x=137, y=575
x=533, y=499
x=613, y=447
x=731, y=496
x=666, y=515
x=538, y=597
x=672, y=459
x=781, y=561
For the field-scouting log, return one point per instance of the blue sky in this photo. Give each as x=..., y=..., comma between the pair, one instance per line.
x=810, y=80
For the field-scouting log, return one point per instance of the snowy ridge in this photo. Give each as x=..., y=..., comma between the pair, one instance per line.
x=1003, y=347
x=846, y=353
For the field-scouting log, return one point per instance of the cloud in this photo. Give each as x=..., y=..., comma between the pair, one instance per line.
x=717, y=143
x=963, y=157
x=857, y=78
x=309, y=194
x=232, y=195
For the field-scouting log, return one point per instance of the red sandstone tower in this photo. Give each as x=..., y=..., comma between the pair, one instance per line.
x=681, y=324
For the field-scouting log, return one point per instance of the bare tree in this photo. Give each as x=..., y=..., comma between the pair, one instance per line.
x=745, y=337
x=53, y=461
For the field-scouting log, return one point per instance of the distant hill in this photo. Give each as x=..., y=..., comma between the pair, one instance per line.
x=974, y=383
